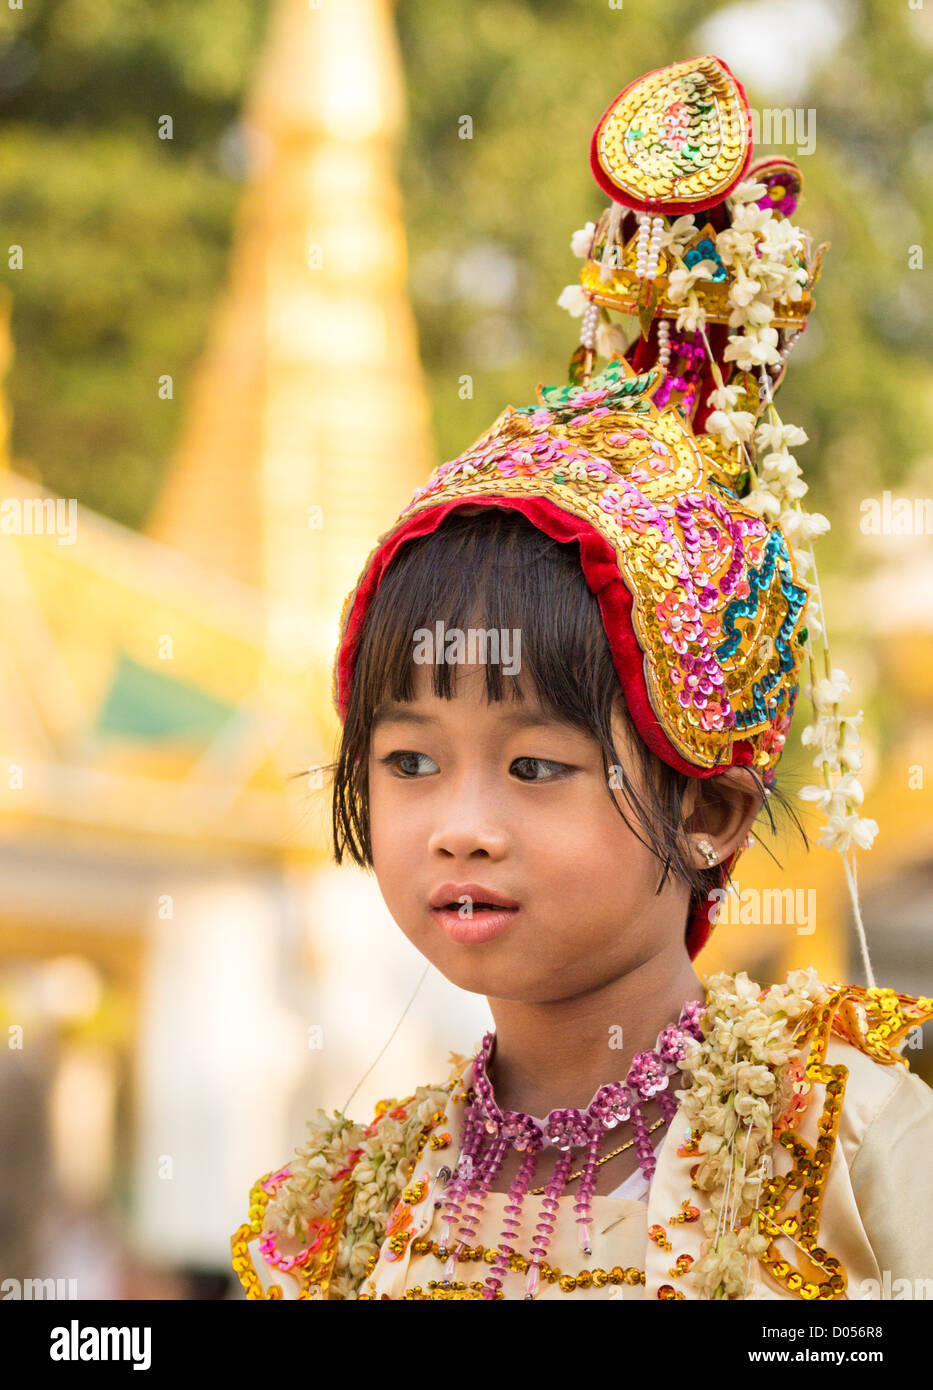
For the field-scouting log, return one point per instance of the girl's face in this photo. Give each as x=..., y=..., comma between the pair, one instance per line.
x=500, y=796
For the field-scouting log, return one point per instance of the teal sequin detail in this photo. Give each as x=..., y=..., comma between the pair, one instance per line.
x=796, y=597
x=706, y=251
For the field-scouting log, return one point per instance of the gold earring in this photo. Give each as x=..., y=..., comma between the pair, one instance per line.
x=706, y=849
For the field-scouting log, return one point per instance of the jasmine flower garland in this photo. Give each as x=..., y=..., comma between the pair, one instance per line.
x=380, y=1175
x=746, y=1075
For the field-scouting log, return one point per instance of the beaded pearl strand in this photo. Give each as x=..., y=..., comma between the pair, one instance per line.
x=648, y=246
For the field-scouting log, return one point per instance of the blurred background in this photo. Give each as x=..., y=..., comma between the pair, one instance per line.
x=253, y=248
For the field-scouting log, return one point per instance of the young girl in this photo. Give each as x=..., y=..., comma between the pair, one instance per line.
x=565, y=678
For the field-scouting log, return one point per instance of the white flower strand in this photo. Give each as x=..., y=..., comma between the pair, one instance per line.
x=777, y=481
x=654, y=247
x=757, y=283
x=743, y=1077
x=835, y=737
x=589, y=326
x=775, y=495
x=664, y=343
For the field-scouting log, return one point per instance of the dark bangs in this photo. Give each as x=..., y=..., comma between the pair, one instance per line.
x=495, y=570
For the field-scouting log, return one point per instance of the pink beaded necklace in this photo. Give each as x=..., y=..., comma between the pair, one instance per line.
x=488, y=1132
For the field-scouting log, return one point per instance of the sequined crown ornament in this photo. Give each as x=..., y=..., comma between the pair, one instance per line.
x=670, y=466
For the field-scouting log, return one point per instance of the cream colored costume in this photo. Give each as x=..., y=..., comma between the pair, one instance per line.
x=848, y=1210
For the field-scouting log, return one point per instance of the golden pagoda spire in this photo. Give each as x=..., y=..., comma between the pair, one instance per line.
x=309, y=425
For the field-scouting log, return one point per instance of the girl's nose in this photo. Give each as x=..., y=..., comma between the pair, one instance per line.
x=470, y=825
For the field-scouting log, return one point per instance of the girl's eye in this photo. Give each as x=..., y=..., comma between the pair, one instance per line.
x=407, y=764
x=541, y=762
x=393, y=759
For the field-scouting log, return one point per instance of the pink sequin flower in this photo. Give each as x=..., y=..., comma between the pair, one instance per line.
x=648, y=1075
x=680, y=624
x=592, y=397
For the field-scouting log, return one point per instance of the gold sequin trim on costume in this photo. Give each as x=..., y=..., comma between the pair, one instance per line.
x=872, y=1019
x=459, y=1289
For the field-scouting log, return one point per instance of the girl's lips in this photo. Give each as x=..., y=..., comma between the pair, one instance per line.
x=484, y=924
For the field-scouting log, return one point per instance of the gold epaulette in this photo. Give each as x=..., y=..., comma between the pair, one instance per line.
x=873, y=1020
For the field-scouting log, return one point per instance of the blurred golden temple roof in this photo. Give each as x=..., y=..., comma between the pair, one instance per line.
x=170, y=684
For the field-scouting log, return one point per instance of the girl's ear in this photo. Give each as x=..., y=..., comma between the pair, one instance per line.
x=721, y=810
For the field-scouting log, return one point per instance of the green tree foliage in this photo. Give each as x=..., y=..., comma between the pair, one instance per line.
x=124, y=234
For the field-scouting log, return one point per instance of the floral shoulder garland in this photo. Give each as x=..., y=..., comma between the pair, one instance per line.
x=379, y=1156
x=748, y=1085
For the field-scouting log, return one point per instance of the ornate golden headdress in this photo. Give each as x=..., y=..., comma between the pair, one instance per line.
x=671, y=467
